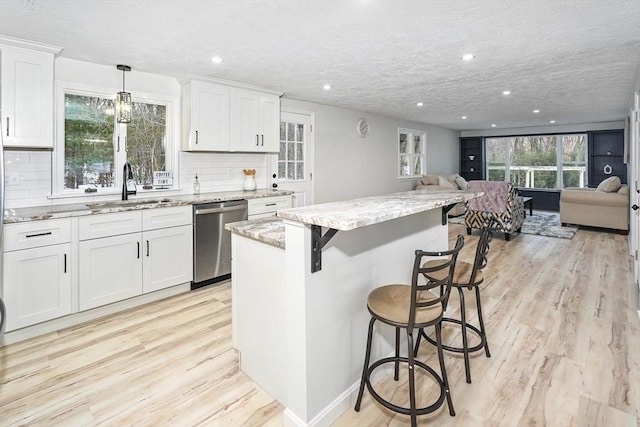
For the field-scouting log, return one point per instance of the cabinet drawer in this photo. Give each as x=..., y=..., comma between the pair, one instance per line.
x=113, y=224
x=268, y=204
x=153, y=219
x=33, y=234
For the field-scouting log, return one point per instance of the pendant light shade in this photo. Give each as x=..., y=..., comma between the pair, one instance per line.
x=123, y=100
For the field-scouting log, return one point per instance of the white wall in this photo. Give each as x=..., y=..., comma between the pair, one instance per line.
x=347, y=166
x=582, y=127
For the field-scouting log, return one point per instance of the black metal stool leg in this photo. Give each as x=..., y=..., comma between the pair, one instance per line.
x=417, y=346
x=443, y=369
x=465, y=344
x=412, y=385
x=481, y=321
x=367, y=358
x=397, y=364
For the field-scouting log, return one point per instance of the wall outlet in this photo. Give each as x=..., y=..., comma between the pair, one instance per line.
x=12, y=178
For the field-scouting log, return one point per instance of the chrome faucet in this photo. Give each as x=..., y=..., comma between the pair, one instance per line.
x=127, y=179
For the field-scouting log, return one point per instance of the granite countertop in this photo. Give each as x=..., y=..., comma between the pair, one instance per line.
x=267, y=230
x=349, y=214
x=37, y=213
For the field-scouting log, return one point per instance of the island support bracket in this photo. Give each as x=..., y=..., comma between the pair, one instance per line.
x=318, y=241
x=445, y=211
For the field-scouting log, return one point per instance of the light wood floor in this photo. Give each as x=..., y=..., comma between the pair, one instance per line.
x=561, y=318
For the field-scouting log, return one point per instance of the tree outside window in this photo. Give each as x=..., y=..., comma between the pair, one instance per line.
x=538, y=161
x=95, y=146
x=411, y=153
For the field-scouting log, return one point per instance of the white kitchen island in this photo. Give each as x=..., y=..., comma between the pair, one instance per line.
x=301, y=334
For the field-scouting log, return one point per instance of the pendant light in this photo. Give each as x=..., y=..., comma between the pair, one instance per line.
x=123, y=99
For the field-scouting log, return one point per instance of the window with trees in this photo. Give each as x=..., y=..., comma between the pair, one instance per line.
x=538, y=161
x=96, y=147
x=411, y=153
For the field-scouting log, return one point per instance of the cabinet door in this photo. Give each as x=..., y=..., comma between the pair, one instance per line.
x=110, y=270
x=167, y=257
x=270, y=123
x=245, y=135
x=37, y=285
x=209, y=116
x=27, y=98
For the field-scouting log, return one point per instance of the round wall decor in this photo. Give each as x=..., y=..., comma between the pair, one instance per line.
x=362, y=128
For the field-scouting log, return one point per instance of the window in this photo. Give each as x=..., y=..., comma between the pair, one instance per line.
x=538, y=161
x=411, y=153
x=96, y=147
x=292, y=149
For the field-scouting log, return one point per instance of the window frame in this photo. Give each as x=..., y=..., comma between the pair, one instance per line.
x=560, y=141
x=171, y=104
x=411, y=133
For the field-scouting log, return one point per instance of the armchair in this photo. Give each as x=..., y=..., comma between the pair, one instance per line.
x=500, y=202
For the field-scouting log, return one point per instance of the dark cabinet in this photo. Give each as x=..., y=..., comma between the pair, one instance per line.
x=606, y=156
x=472, y=158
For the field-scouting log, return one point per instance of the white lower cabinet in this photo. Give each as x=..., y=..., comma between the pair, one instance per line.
x=110, y=270
x=267, y=206
x=167, y=259
x=156, y=256
x=37, y=285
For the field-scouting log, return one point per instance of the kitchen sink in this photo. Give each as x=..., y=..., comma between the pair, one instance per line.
x=125, y=203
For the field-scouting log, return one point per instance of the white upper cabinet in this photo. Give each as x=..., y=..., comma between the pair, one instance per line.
x=216, y=117
x=254, y=122
x=205, y=116
x=26, y=98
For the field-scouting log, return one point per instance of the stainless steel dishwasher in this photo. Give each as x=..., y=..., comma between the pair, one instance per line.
x=211, y=242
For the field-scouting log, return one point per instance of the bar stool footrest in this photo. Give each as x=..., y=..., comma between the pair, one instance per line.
x=400, y=409
x=455, y=349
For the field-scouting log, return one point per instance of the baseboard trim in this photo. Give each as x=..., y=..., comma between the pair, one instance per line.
x=335, y=409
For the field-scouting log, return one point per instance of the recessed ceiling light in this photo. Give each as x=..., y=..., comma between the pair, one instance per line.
x=536, y=111
x=420, y=104
x=506, y=92
x=464, y=117
x=216, y=60
x=493, y=125
x=552, y=121
x=326, y=87
x=467, y=57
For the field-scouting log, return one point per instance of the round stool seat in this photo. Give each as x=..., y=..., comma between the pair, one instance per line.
x=392, y=302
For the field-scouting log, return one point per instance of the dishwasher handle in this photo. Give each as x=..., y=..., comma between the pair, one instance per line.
x=217, y=210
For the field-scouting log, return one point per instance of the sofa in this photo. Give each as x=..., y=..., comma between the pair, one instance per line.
x=499, y=202
x=606, y=206
x=445, y=182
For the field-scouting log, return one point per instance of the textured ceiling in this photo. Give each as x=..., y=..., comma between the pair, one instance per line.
x=576, y=61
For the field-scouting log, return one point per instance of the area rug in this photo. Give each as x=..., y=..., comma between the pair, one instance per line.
x=541, y=223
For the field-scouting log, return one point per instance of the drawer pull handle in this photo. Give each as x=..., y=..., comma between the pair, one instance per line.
x=7, y=126
x=270, y=204
x=196, y=137
x=48, y=233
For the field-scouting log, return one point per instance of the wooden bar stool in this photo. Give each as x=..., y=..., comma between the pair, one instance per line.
x=411, y=307
x=466, y=276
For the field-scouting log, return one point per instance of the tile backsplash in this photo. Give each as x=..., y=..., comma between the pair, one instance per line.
x=28, y=174
x=27, y=177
